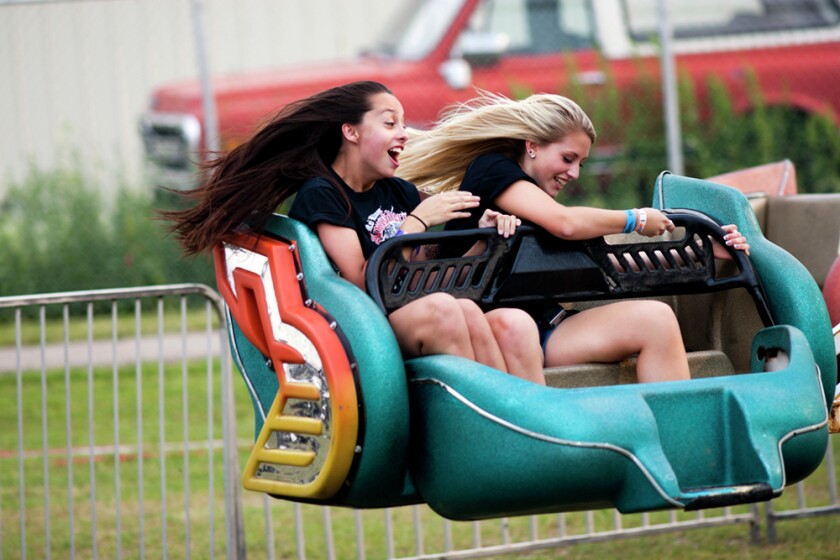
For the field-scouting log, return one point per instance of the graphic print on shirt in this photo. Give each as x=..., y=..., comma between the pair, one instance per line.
x=383, y=224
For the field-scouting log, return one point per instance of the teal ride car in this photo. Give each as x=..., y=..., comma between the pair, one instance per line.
x=342, y=419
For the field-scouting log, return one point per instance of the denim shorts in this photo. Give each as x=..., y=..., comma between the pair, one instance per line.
x=546, y=328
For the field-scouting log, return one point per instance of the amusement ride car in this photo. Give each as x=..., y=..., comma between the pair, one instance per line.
x=342, y=419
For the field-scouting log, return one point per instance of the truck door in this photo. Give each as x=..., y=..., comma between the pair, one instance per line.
x=526, y=46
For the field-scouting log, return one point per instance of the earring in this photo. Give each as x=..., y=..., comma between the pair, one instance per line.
x=532, y=154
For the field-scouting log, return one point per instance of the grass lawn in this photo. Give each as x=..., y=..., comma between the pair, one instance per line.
x=154, y=494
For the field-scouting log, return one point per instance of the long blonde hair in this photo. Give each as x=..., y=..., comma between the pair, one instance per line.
x=435, y=160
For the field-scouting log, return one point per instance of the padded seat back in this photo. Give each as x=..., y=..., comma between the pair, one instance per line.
x=808, y=227
x=316, y=347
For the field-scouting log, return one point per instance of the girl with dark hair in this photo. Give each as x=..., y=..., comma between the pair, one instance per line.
x=338, y=152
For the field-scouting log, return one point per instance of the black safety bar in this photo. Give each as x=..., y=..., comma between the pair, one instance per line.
x=535, y=267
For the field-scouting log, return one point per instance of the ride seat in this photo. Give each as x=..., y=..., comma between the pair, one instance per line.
x=704, y=363
x=469, y=426
x=808, y=227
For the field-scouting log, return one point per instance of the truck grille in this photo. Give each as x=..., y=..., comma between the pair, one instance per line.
x=171, y=141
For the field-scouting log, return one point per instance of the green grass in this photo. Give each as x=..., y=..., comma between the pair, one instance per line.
x=813, y=538
x=97, y=421
x=817, y=537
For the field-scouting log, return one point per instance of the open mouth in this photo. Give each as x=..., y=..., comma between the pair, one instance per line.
x=394, y=154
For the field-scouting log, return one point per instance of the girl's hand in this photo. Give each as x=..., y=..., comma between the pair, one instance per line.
x=443, y=207
x=734, y=239
x=504, y=223
x=657, y=223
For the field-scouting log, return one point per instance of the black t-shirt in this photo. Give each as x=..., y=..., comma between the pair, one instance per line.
x=487, y=177
x=375, y=214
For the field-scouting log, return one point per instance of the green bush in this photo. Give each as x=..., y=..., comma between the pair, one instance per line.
x=716, y=139
x=59, y=233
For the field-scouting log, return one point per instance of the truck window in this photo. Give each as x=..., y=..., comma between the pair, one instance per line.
x=726, y=17
x=419, y=28
x=537, y=26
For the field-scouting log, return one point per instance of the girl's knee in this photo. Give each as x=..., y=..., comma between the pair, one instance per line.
x=448, y=316
x=469, y=308
x=476, y=319
x=433, y=324
x=519, y=340
x=513, y=325
x=658, y=316
x=663, y=330
x=441, y=307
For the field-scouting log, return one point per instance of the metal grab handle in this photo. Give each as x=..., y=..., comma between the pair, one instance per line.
x=534, y=267
x=393, y=281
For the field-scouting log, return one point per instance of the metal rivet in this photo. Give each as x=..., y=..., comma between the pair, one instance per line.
x=358, y=449
x=333, y=325
x=269, y=364
x=308, y=303
x=300, y=276
x=291, y=247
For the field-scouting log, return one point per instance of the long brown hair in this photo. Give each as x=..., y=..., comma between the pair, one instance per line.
x=245, y=186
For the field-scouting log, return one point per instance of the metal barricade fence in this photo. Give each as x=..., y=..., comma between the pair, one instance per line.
x=120, y=412
x=117, y=416
x=822, y=487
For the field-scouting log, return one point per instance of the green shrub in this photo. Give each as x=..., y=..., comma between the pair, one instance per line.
x=59, y=233
x=716, y=138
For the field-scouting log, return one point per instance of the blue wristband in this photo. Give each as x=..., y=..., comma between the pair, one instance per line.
x=630, y=224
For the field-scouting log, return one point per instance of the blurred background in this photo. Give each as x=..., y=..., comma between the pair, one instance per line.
x=75, y=78
x=102, y=102
x=105, y=104
x=78, y=74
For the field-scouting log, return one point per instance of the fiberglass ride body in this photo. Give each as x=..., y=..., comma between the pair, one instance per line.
x=342, y=419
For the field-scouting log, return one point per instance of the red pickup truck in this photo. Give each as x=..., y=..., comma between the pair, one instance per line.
x=443, y=50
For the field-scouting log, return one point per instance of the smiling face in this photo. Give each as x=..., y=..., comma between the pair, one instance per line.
x=380, y=137
x=553, y=165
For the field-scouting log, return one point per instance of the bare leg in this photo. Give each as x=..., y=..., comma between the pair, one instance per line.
x=613, y=332
x=482, y=338
x=519, y=341
x=434, y=324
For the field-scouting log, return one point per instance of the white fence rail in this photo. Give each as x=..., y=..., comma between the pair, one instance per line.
x=116, y=443
x=124, y=427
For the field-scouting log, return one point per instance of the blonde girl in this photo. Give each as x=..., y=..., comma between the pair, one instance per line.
x=517, y=156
